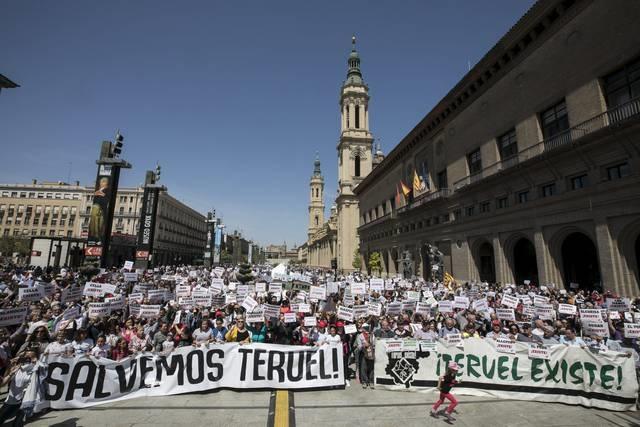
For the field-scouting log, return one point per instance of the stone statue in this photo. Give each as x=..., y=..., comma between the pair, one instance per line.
x=436, y=263
x=407, y=265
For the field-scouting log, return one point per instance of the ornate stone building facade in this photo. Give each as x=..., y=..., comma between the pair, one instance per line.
x=533, y=159
x=337, y=239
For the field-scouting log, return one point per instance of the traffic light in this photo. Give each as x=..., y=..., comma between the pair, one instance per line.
x=158, y=172
x=117, y=148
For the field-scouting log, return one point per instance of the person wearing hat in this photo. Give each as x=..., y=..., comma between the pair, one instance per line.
x=445, y=384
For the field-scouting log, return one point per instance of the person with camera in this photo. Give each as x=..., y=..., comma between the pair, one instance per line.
x=18, y=377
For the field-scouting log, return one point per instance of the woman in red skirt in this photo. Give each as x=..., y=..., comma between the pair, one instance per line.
x=445, y=384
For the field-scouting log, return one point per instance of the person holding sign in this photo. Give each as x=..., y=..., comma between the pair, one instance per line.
x=238, y=332
x=445, y=384
x=18, y=379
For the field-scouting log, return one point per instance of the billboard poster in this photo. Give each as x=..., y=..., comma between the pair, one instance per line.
x=216, y=246
x=147, y=223
x=102, y=209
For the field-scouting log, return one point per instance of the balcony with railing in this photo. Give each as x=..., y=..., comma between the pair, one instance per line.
x=425, y=198
x=609, y=118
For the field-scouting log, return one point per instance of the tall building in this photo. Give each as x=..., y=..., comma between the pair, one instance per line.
x=61, y=210
x=529, y=168
x=316, y=203
x=337, y=240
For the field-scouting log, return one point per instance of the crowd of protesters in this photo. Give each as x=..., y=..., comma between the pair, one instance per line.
x=60, y=323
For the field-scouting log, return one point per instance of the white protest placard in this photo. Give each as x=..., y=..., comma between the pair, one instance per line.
x=71, y=313
x=545, y=311
x=376, y=285
x=71, y=294
x=242, y=290
x=115, y=303
x=481, y=305
x=431, y=301
x=392, y=345
x=13, y=316
x=99, y=309
x=217, y=285
x=413, y=295
x=461, y=302
x=93, y=289
x=48, y=289
x=183, y=291
x=350, y=329
x=445, y=306
x=310, y=321
x=408, y=305
x=453, y=339
x=394, y=308
x=539, y=300
x=254, y=316
x=271, y=310
x=149, y=311
x=136, y=296
x=389, y=285
x=614, y=315
x=290, y=318
x=358, y=289
x=509, y=301
x=275, y=288
x=632, y=330
x=261, y=287
x=130, y=277
x=30, y=294
x=374, y=309
x=230, y=299
x=304, y=308
x=345, y=313
x=348, y=299
x=128, y=265
x=591, y=314
x=423, y=308
x=157, y=295
x=249, y=303
x=360, y=311
x=619, y=304
x=506, y=314
x=526, y=299
x=430, y=346
x=539, y=353
x=569, y=309
x=590, y=328
x=317, y=293
x=332, y=288
x=505, y=345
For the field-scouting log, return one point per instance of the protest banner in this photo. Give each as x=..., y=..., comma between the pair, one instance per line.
x=505, y=345
x=569, y=309
x=540, y=300
x=332, y=288
x=136, y=297
x=590, y=328
x=130, y=277
x=115, y=303
x=261, y=287
x=93, y=289
x=310, y=321
x=317, y=293
x=632, y=330
x=426, y=345
x=461, y=302
x=156, y=295
x=394, y=308
x=453, y=339
x=539, y=353
x=350, y=329
x=358, y=288
x=290, y=318
x=303, y=307
x=481, y=305
x=30, y=294
x=71, y=313
x=183, y=291
x=13, y=316
x=591, y=314
x=413, y=295
x=87, y=381
x=445, y=306
x=345, y=313
x=376, y=285
x=348, y=299
x=217, y=285
x=545, y=311
x=271, y=310
x=423, y=308
x=389, y=285
x=408, y=305
x=48, y=289
x=374, y=309
x=71, y=294
x=360, y=311
x=249, y=303
x=619, y=304
x=509, y=301
x=148, y=311
x=275, y=288
x=230, y=298
x=257, y=315
x=242, y=290
x=128, y=265
x=506, y=314
x=571, y=375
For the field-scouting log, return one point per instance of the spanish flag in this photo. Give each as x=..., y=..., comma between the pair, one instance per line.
x=448, y=279
x=417, y=183
x=405, y=190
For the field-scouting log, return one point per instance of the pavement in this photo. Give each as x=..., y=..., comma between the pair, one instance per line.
x=348, y=407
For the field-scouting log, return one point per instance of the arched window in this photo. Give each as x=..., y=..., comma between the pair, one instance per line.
x=316, y=218
x=316, y=192
x=357, y=117
x=357, y=165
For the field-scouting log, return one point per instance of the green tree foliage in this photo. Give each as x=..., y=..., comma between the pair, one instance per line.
x=375, y=262
x=357, y=261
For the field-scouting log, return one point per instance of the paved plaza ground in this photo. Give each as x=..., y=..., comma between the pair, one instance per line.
x=352, y=406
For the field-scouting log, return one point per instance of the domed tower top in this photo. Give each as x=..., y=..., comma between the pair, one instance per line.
x=354, y=76
x=316, y=166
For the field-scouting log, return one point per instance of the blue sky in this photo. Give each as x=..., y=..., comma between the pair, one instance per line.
x=233, y=98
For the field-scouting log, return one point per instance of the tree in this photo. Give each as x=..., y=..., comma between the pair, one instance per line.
x=9, y=245
x=375, y=262
x=225, y=257
x=244, y=273
x=357, y=261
